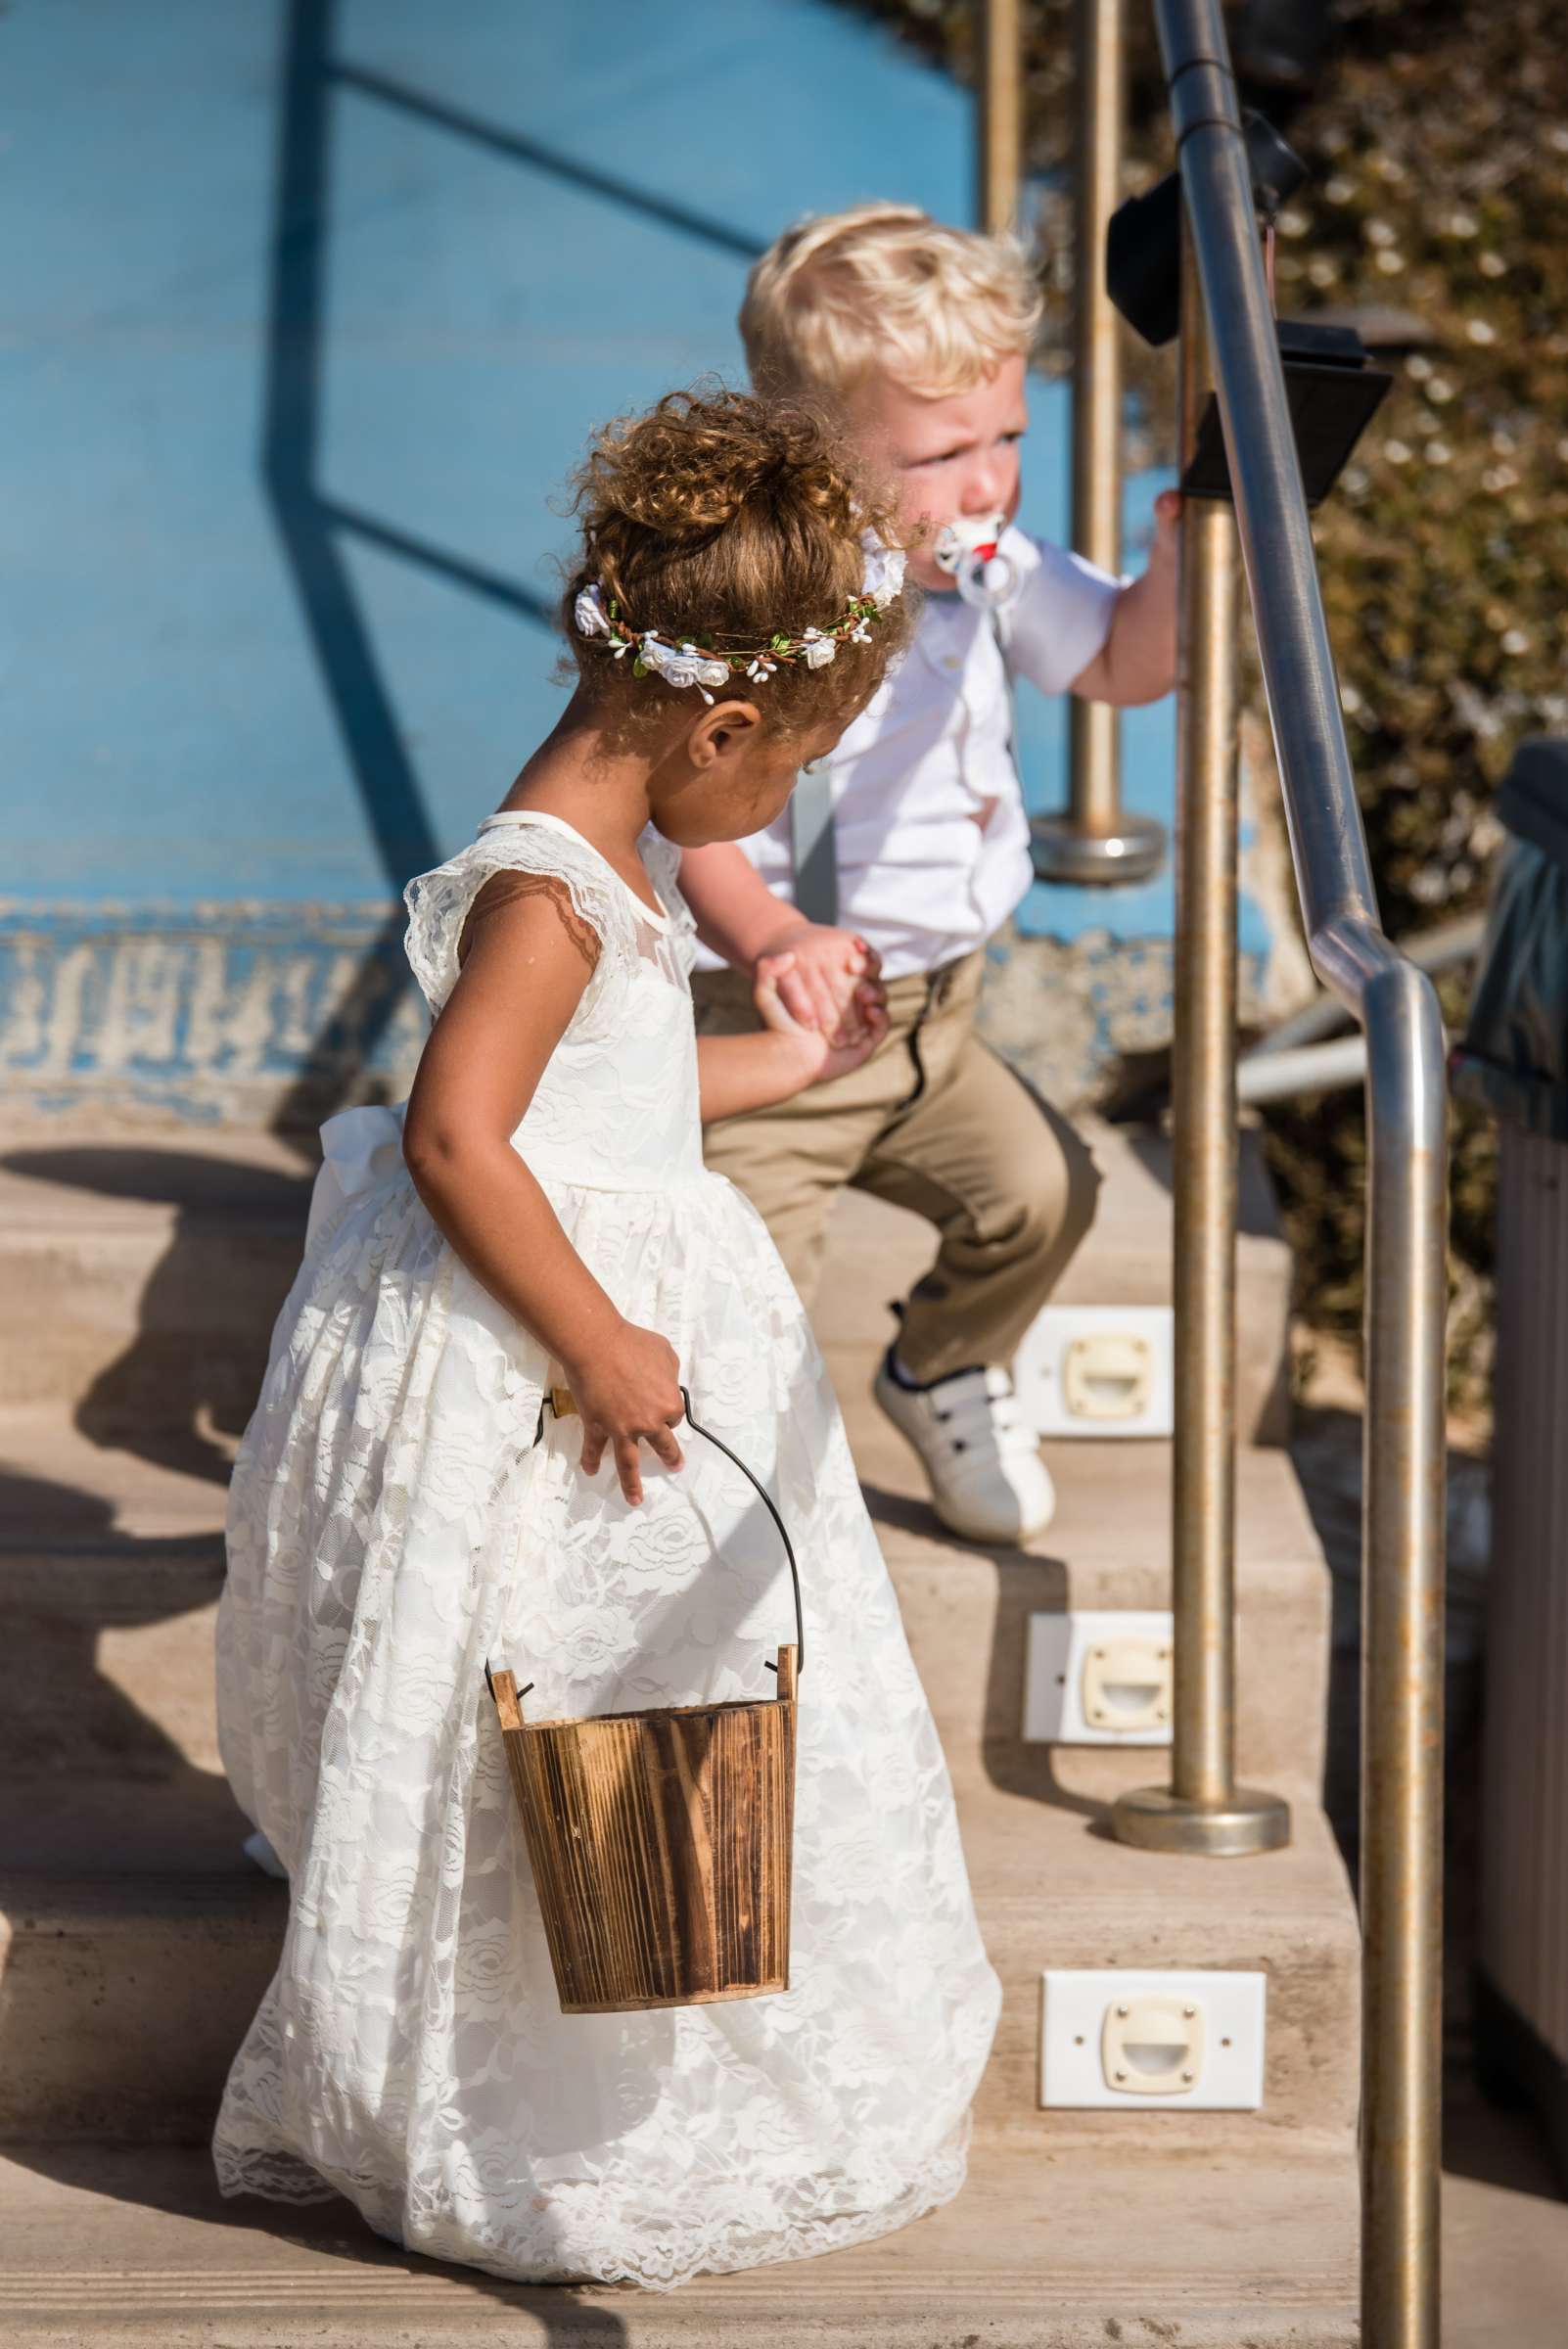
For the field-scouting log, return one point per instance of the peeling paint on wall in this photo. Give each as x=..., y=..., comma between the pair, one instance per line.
x=280, y=1014
x=211, y=1010
x=1070, y=1013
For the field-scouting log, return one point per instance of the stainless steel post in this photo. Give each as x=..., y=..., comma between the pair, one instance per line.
x=1001, y=113
x=1202, y=1809
x=1402, y=1881
x=1402, y=1676
x=1093, y=839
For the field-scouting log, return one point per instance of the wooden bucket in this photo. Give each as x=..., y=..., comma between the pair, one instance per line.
x=662, y=1841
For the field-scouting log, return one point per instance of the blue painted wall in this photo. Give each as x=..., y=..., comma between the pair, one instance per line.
x=309, y=308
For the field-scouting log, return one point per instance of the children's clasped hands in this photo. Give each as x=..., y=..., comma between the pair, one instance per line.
x=813, y=977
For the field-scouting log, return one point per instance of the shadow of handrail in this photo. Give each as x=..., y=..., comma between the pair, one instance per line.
x=492, y=585
x=538, y=158
x=388, y=790
x=309, y=527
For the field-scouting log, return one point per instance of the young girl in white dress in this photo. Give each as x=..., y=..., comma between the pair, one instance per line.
x=540, y=1214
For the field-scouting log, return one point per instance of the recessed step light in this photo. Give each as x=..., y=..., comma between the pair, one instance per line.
x=1099, y=1370
x=1121, y=2037
x=1098, y=1677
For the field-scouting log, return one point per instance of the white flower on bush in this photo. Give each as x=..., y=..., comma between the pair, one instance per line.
x=883, y=571
x=589, y=612
x=820, y=649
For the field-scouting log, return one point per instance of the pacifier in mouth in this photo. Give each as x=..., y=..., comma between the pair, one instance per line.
x=967, y=549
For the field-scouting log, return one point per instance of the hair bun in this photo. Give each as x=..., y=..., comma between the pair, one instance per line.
x=724, y=520
x=695, y=464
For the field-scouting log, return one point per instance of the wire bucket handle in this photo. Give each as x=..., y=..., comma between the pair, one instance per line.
x=560, y=1403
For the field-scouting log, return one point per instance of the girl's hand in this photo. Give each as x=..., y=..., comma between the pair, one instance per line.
x=817, y=972
x=628, y=1393
x=820, y=1058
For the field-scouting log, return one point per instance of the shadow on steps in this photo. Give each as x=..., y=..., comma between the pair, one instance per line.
x=331, y=2236
x=1025, y=1585
x=93, y=1783
x=181, y=1390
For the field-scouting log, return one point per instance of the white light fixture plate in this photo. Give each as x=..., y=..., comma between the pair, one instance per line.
x=1097, y=1370
x=1085, y=1673
x=1096, y=2059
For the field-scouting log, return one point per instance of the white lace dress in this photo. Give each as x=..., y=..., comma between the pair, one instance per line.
x=389, y=1529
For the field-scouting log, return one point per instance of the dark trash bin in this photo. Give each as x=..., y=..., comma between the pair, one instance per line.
x=1514, y=1057
x=1515, y=1062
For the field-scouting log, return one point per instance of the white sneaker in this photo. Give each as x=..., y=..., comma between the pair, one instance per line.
x=987, y=1480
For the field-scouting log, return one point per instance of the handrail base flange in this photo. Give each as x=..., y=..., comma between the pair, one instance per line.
x=1062, y=850
x=1246, y=1822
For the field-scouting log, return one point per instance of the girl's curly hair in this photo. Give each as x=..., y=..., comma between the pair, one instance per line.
x=724, y=520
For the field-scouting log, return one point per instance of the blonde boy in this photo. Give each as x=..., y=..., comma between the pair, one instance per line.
x=918, y=336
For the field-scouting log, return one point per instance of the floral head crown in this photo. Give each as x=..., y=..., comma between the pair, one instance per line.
x=699, y=664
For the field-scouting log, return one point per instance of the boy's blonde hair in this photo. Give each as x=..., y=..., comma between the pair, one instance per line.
x=884, y=289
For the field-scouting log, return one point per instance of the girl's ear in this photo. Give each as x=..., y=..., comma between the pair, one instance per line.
x=722, y=732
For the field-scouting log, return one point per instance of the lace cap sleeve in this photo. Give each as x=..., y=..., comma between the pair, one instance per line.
x=439, y=903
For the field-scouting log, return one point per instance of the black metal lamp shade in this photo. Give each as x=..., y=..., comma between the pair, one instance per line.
x=1332, y=396
x=1143, y=242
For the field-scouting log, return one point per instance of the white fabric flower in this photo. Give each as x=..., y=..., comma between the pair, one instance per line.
x=589, y=614
x=883, y=570
x=820, y=649
x=713, y=672
x=677, y=667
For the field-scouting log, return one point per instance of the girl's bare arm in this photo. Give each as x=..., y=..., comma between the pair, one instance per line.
x=822, y=970
x=737, y=914
x=736, y=1074
x=529, y=959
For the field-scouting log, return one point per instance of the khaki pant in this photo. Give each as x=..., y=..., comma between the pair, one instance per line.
x=933, y=1122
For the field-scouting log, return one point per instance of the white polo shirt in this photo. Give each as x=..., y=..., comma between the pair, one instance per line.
x=931, y=839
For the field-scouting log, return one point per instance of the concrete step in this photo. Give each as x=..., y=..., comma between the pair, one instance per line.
x=1053, y=1889
x=138, y=1941
x=109, y=2245
x=878, y=1252
x=111, y=1561
x=124, y=1996
x=147, y=1270
x=130, y=1970
x=967, y=1608
x=148, y=1267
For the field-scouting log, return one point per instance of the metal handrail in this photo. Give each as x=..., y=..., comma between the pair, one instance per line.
x=1406, y=1285
x=1000, y=152
x=1202, y=1810
x=1094, y=839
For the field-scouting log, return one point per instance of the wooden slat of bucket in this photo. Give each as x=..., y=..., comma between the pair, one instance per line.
x=623, y=1906
x=661, y=1845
